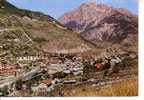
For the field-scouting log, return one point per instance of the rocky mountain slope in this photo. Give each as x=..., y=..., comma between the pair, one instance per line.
x=34, y=29
x=103, y=25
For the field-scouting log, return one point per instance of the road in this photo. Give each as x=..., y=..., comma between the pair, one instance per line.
x=27, y=76
x=24, y=76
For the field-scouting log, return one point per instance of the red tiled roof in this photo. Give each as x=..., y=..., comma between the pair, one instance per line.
x=98, y=65
x=47, y=82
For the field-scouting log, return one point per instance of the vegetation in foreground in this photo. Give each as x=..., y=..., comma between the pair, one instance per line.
x=124, y=88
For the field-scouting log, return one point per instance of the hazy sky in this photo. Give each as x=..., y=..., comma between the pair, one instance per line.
x=56, y=8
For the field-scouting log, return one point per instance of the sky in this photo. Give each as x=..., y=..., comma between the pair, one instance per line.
x=57, y=8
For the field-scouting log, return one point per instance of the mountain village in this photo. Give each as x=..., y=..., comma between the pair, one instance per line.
x=40, y=56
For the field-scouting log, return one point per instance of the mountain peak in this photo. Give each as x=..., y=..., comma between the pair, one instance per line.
x=91, y=5
x=101, y=23
x=89, y=12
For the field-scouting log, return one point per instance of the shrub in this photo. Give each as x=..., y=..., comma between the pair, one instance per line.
x=39, y=39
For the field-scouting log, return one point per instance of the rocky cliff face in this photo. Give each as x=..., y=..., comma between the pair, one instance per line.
x=80, y=18
x=103, y=25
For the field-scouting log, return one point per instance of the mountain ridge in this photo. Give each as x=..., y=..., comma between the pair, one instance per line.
x=43, y=30
x=103, y=25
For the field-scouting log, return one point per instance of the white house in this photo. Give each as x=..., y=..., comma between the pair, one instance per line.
x=28, y=58
x=39, y=88
x=42, y=88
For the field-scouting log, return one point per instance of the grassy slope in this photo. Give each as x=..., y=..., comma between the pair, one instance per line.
x=123, y=88
x=42, y=31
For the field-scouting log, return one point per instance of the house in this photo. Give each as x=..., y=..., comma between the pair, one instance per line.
x=99, y=65
x=53, y=61
x=45, y=86
x=47, y=82
x=77, y=69
x=34, y=87
x=67, y=71
x=133, y=55
x=78, y=73
x=1, y=46
x=69, y=81
x=50, y=88
x=7, y=69
x=50, y=84
x=27, y=58
x=56, y=81
x=39, y=88
x=42, y=87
